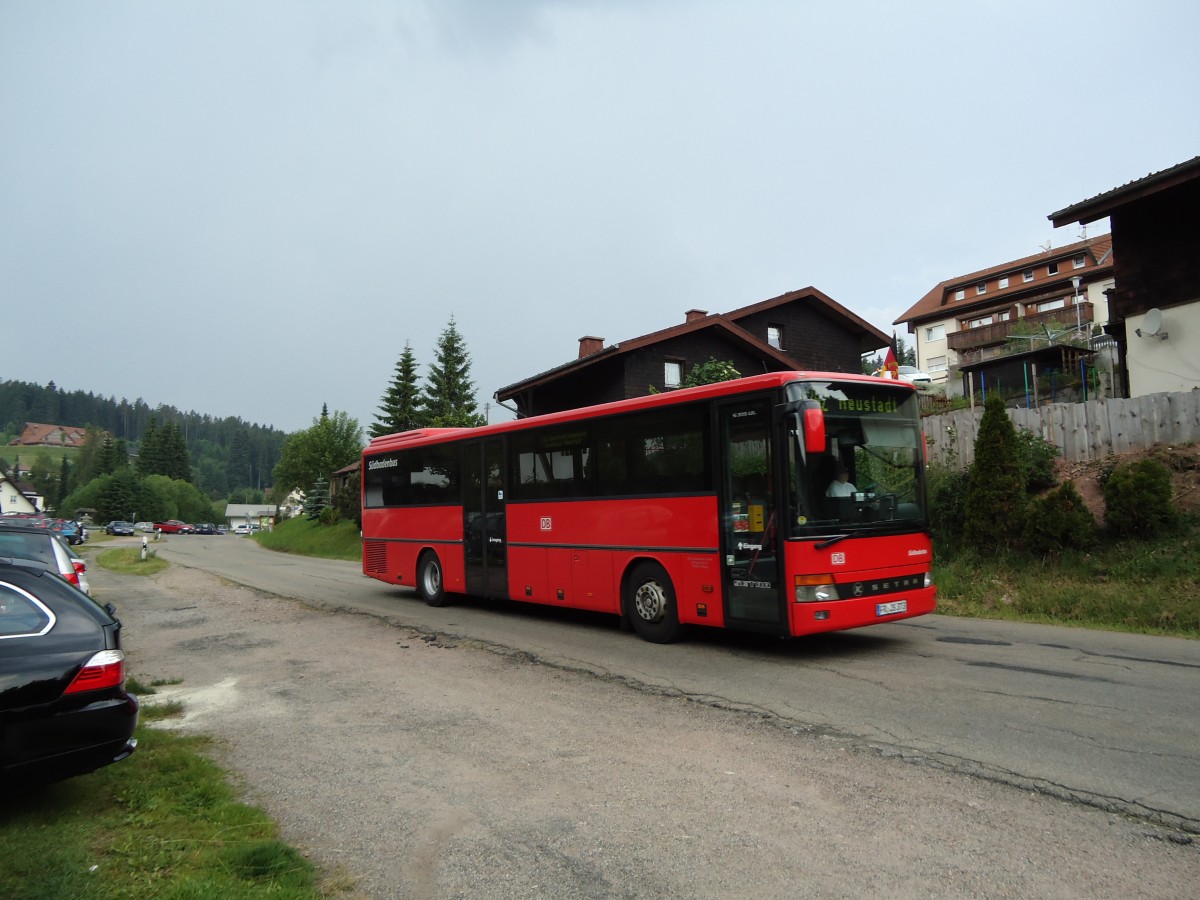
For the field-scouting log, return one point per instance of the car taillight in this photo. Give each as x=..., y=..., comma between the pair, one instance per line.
x=80, y=566
x=104, y=670
x=72, y=577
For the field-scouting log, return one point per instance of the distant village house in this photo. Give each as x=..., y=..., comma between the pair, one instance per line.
x=38, y=435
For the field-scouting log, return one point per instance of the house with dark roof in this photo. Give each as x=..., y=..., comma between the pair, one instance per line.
x=1154, y=307
x=971, y=321
x=802, y=329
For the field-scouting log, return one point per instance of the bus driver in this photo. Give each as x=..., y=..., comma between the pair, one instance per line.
x=841, y=485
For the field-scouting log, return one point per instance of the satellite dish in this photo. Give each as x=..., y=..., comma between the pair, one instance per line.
x=1153, y=322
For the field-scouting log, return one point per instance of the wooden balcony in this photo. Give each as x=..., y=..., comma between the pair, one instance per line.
x=998, y=332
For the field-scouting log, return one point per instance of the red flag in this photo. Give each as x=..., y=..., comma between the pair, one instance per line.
x=891, y=368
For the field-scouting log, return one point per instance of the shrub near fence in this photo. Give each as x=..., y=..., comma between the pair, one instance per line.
x=1081, y=431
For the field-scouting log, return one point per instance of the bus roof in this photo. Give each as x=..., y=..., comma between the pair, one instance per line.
x=650, y=401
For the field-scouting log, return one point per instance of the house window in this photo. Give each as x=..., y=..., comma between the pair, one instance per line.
x=980, y=322
x=775, y=336
x=935, y=333
x=1052, y=269
x=1005, y=316
x=1052, y=304
x=960, y=294
x=1027, y=275
x=1003, y=283
x=981, y=288
x=935, y=364
x=673, y=373
x=1078, y=262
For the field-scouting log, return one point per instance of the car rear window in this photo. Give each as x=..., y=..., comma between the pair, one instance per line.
x=21, y=614
x=27, y=546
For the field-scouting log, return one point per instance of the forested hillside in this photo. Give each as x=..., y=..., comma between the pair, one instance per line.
x=226, y=454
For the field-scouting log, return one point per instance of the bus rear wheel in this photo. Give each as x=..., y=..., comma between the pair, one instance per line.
x=650, y=604
x=430, y=581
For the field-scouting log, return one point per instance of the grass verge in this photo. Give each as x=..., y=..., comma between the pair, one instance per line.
x=1152, y=587
x=307, y=538
x=128, y=561
x=163, y=823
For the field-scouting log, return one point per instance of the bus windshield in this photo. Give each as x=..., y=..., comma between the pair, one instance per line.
x=871, y=476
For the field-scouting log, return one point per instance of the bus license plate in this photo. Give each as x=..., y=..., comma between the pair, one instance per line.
x=890, y=609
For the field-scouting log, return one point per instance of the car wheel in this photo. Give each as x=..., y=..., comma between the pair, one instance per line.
x=650, y=604
x=430, y=581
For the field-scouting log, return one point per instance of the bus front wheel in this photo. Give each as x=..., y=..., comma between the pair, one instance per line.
x=650, y=604
x=430, y=581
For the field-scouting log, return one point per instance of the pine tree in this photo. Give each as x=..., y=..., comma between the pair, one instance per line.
x=150, y=449
x=996, y=498
x=450, y=394
x=176, y=462
x=317, y=499
x=400, y=406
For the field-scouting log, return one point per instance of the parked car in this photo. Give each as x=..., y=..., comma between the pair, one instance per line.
x=119, y=528
x=913, y=374
x=174, y=526
x=241, y=529
x=147, y=527
x=64, y=709
x=70, y=531
x=45, y=548
x=207, y=528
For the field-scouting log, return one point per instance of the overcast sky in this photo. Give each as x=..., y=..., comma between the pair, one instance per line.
x=246, y=208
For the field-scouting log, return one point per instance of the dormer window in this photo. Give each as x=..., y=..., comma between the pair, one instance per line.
x=1052, y=269
x=1002, y=283
x=1079, y=262
x=981, y=288
x=1027, y=275
x=960, y=294
x=775, y=336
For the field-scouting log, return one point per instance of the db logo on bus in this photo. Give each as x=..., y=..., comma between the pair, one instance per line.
x=547, y=524
x=837, y=559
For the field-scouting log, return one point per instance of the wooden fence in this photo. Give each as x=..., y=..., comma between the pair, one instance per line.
x=1081, y=431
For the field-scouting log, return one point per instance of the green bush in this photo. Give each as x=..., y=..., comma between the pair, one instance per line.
x=1037, y=457
x=1137, y=499
x=947, y=507
x=1059, y=520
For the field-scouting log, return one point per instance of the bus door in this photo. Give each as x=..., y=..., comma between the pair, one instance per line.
x=484, y=537
x=750, y=502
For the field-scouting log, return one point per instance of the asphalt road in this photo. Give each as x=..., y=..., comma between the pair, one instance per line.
x=1108, y=720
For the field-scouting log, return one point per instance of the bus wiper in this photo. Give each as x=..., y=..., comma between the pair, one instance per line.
x=863, y=532
x=841, y=537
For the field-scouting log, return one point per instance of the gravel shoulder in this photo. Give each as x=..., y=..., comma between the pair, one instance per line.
x=412, y=766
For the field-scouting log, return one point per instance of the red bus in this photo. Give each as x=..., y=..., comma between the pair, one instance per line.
x=720, y=505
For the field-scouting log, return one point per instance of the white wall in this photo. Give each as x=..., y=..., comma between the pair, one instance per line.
x=1158, y=365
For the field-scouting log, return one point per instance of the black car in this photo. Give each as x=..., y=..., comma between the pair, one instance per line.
x=119, y=528
x=207, y=528
x=64, y=709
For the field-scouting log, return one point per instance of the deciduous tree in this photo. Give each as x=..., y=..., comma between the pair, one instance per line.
x=333, y=441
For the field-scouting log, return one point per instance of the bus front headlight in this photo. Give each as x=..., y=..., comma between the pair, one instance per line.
x=815, y=588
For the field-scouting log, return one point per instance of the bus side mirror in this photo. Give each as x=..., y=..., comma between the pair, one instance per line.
x=814, y=429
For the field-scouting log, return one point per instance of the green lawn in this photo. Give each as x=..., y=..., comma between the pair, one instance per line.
x=1140, y=586
x=163, y=823
x=308, y=538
